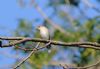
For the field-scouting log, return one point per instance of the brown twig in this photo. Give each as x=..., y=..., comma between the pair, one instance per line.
x=85, y=67
x=24, y=59
x=25, y=49
x=92, y=45
x=64, y=66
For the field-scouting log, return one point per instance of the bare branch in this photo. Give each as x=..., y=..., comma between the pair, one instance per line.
x=90, y=5
x=92, y=45
x=56, y=63
x=24, y=59
x=85, y=67
x=64, y=66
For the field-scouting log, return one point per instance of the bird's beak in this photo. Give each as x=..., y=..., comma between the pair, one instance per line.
x=37, y=28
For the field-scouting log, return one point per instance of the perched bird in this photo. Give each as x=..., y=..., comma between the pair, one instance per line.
x=44, y=32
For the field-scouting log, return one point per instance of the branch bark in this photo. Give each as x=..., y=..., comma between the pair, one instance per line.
x=85, y=67
x=92, y=45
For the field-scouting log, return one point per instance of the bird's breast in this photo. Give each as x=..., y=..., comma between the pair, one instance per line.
x=44, y=34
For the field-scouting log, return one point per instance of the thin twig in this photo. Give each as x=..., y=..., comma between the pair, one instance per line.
x=85, y=67
x=24, y=59
x=64, y=66
x=25, y=49
x=86, y=2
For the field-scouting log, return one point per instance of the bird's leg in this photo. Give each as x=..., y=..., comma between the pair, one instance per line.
x=48, y=43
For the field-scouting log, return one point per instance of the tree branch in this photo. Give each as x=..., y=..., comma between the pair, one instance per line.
x=85, y=67
x=92, y=45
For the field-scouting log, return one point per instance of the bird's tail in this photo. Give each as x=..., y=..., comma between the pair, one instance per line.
x=49, y=46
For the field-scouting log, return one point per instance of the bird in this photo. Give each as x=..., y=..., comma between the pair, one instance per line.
x=45, y=34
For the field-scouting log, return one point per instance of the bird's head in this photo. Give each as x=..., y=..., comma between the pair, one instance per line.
x=44, y=32
x=41, y=27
